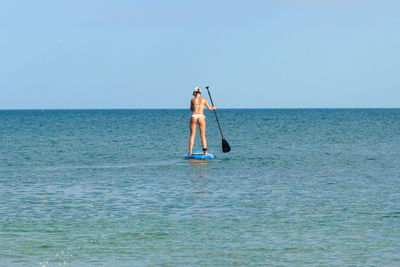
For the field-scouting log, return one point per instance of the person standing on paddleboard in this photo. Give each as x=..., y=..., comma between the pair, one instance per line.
x=197, y=107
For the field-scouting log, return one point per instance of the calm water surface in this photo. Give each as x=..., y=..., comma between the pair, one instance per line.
x=110, y=188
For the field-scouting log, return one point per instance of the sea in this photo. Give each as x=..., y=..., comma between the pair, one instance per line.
x=300, y=187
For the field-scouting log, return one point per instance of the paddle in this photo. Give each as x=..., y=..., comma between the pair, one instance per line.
x=225, y=146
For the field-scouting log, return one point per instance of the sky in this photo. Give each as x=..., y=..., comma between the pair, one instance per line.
x=151, y=54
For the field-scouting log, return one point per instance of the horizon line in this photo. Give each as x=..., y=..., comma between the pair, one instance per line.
x=245, y=108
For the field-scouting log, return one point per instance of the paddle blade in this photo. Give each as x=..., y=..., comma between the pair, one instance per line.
x=225, y=146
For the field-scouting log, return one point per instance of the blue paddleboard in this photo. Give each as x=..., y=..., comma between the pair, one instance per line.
x=198, y=155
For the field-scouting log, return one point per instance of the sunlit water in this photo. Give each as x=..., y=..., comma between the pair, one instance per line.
x=110, y=188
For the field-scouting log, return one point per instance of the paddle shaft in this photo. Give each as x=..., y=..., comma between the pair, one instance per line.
x=219, y=126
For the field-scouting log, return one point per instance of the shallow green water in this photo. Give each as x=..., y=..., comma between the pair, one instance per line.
x=110, y=188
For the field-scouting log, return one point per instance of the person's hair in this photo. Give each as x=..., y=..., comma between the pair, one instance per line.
x=196, y=92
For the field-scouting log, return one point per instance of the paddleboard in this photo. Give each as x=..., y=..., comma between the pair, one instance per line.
x=199, y=155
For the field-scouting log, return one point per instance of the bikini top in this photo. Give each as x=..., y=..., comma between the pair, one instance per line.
x=198, y=106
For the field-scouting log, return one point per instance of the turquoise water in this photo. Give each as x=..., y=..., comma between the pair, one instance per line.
x=110, y=188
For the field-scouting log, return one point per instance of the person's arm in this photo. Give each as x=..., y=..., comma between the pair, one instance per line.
x=209, y=107
x=191, y=105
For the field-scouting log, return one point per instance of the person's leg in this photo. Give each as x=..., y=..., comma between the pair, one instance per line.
x=202, y=128
x=192, y=125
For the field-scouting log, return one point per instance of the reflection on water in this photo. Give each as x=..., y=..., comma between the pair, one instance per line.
x=198, y=162
x=199, y=167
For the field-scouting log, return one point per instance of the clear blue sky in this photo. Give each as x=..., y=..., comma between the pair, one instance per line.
x=151, y=54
